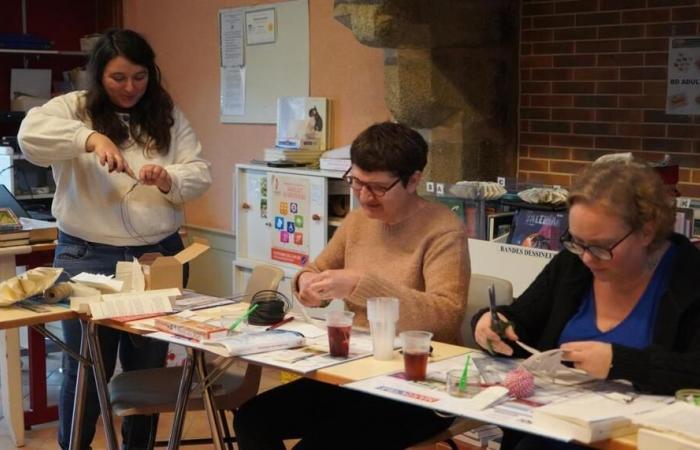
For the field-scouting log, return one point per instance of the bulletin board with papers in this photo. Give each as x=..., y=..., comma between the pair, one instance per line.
x=264, y=54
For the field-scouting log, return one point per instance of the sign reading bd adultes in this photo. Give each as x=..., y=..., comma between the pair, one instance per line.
x=289, y=205
x=683, y=91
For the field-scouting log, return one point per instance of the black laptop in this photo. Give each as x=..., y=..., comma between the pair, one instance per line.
x=7, y=200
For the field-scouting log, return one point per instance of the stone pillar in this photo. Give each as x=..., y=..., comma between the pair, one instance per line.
x=451, y=72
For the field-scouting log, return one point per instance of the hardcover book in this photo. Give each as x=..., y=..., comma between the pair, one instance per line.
x=188, y=328
x=538, y=229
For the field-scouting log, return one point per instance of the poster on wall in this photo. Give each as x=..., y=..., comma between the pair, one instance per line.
x=289, y=210
x=683, y=92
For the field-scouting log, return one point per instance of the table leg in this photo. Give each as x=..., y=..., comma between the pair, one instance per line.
x=11, y=374
x=98, y=369
x=39, y=409
x=209, y=403
x=183, y=395
x=80, y=389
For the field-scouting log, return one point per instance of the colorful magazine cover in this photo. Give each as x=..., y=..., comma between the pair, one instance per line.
x=539, y=229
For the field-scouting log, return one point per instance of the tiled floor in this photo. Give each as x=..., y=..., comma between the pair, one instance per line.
x=43, y=437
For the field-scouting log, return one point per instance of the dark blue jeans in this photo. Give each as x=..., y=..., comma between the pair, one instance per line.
x=75, y=255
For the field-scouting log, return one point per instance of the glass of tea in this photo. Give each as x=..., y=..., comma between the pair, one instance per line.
x=339, y=324
x=416, y=349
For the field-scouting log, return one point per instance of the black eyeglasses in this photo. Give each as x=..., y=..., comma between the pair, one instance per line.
x=374, y=189
x=601, y=253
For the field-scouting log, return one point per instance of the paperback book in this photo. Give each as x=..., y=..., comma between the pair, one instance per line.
x=258, y=342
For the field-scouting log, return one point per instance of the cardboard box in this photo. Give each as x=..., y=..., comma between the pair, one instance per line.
x=162, y=272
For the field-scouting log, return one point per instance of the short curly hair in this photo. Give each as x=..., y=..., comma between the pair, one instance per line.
x=629, y=189
x=390, y=147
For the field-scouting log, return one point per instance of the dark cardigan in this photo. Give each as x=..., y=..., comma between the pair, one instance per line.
x=671, y=362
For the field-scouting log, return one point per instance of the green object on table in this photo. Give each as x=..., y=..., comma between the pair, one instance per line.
x=243, y=317
x=465, y=374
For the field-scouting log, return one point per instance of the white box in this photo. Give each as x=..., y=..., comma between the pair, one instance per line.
x=30, y=82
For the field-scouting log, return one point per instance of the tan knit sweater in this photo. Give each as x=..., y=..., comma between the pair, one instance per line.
x=422, y=260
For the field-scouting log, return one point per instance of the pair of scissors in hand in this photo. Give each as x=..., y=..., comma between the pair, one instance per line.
x=498, y=325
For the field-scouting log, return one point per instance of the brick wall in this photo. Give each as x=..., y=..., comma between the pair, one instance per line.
x=593, y=81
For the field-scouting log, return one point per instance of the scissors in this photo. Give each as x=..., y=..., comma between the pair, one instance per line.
x=498, y=325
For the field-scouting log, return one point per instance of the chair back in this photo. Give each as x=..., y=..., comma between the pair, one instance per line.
x=263, y=277
x=478, y=298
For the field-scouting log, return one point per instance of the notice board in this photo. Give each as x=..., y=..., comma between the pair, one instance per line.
x=262, y=65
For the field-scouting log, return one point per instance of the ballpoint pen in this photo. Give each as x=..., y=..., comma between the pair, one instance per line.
x=280, y=323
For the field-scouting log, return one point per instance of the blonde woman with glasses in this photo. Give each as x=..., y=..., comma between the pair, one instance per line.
x=623, y=299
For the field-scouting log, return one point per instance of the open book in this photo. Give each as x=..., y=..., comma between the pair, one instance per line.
x=258, y=342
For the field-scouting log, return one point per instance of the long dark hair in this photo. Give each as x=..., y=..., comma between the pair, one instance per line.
x=151, y=118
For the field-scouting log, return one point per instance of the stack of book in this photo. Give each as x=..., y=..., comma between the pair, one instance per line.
x=285, y=154
x=337, y=159
x=302, y=130
x=14, y=238
x=480, y=436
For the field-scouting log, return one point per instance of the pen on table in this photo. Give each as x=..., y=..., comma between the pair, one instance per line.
x=465, y=374
x=243, y=317
x=280, y=323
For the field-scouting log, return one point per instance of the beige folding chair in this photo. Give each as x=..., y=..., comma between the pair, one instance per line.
x=478, y=298
x=154, y=391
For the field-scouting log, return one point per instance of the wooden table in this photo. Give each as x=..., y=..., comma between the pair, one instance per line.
x=10, y=371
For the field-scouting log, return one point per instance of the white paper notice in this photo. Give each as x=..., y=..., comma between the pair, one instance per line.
x=130, y=306
x=683, y=91
x=231, y=26
x=260, y=26
x=233, y=91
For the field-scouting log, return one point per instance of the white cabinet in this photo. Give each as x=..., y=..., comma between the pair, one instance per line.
x=284, y=217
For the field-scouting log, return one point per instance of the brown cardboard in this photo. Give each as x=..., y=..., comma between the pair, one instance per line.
x=162, y=272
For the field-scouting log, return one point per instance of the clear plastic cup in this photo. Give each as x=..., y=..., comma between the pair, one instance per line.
x=456, y=389
x=339, y=324
x=382, y=314
x=416, y=350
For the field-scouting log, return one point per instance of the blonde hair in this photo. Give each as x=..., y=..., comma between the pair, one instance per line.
x=630, y=190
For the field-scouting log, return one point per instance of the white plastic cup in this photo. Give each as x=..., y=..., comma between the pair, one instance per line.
x=382, y=314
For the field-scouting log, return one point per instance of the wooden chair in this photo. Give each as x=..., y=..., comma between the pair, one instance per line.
x=478, y=298
x=154, y=391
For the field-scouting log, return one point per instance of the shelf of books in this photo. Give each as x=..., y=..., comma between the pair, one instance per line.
x=490, y=213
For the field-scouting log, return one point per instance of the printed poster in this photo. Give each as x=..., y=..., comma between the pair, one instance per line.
x=683, y=92
x=289, y=210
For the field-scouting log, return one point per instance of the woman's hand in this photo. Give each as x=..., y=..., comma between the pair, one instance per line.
x=591, y=356
x=155, y=175
x=487, y=338
x=315, y=289
x=107, y=153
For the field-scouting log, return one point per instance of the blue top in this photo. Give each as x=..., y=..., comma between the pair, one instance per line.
x=637, y=328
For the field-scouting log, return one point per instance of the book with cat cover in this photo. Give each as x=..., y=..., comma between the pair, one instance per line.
x=302, y=123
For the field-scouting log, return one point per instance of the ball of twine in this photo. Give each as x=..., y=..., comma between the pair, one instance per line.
x=520, y=383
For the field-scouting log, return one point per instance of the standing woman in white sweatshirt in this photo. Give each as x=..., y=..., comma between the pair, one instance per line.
x=125, y=160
